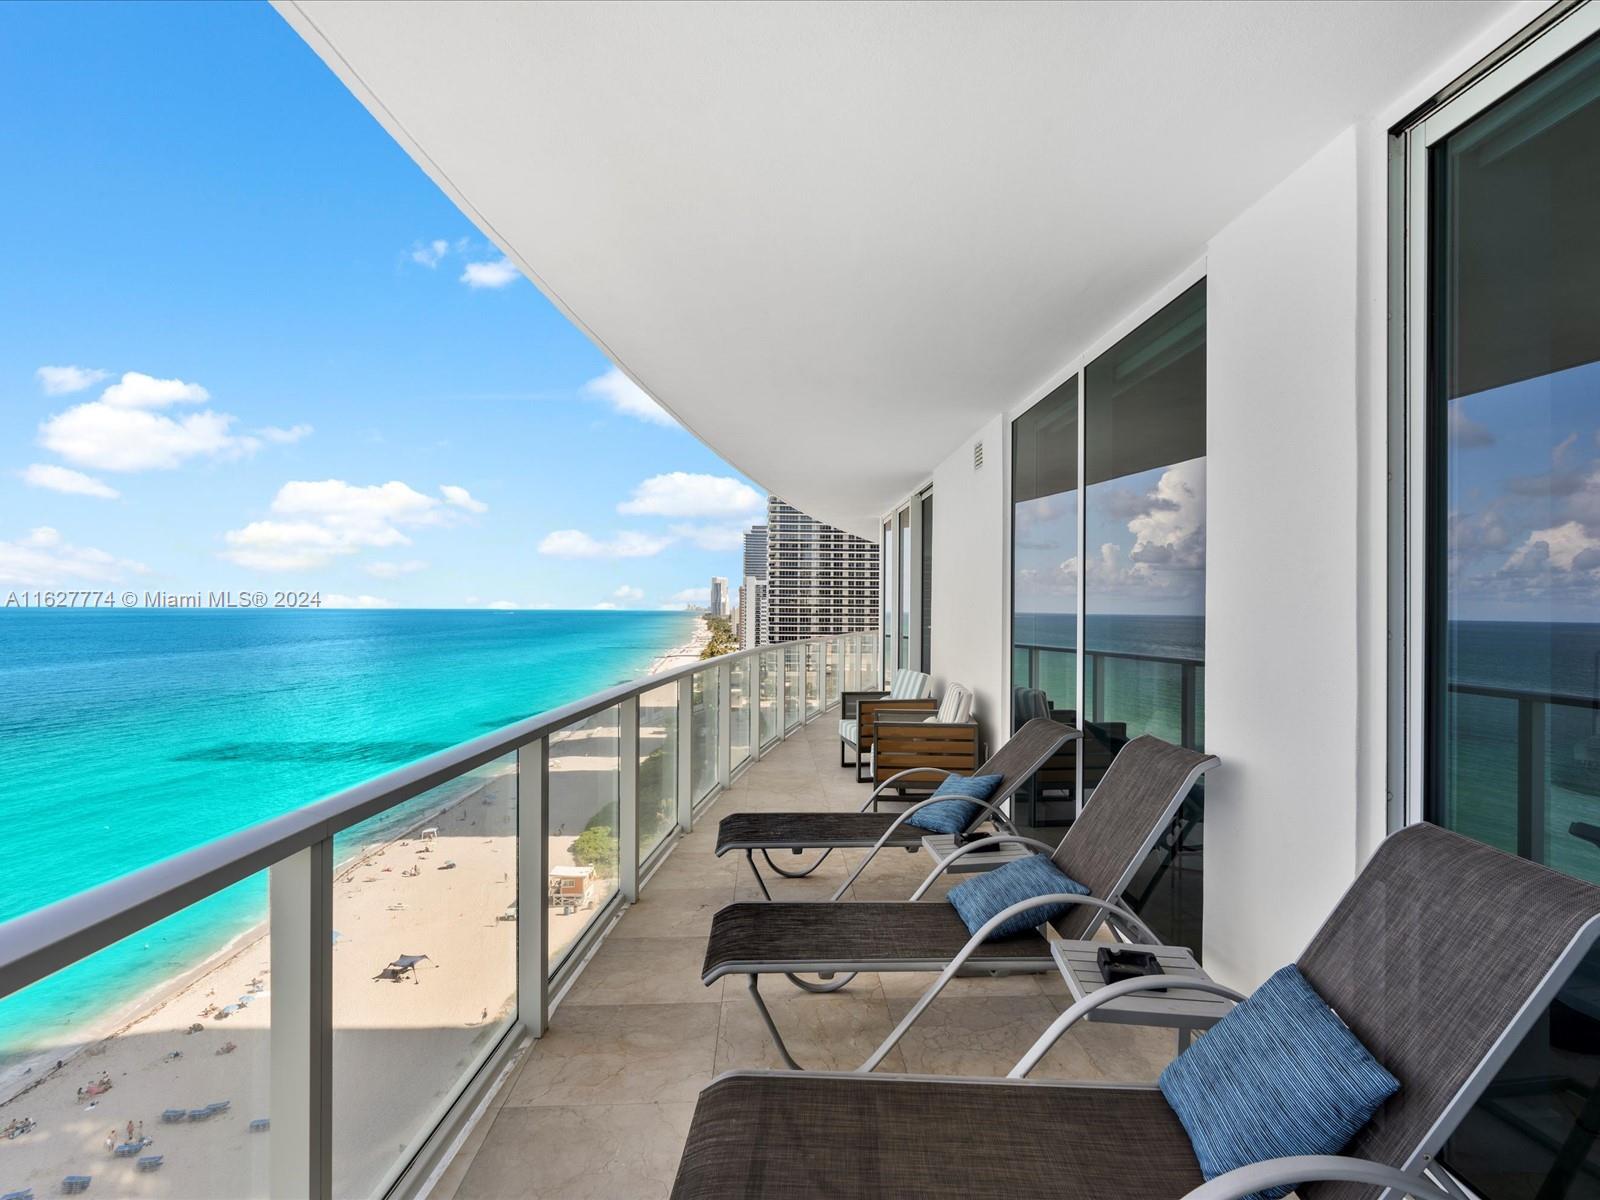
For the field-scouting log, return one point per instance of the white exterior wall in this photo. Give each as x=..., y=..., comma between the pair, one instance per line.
x=1283, y=656
x=971, y=598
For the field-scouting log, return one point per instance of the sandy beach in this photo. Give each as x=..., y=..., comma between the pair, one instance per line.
x=400, y=1048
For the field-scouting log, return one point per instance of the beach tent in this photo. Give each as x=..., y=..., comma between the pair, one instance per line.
x=398, y=968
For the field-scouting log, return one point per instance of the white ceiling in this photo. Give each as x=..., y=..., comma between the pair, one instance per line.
x=832, y=239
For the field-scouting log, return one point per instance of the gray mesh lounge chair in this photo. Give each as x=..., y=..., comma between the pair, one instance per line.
x=836, y=939
x=765, y=832
x=1442, y=954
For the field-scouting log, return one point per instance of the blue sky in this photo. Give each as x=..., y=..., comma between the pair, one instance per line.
x=248, y=344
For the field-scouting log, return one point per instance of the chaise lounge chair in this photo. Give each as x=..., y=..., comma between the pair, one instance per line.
x=867, y=828
x=1134, y=803
x=908, y=690
x=1440, y=957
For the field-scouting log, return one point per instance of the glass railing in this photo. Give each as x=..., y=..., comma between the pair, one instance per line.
x=374, y=952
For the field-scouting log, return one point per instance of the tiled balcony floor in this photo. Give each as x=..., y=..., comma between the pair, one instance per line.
x=600, y=1106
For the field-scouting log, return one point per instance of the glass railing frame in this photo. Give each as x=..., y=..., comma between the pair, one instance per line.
x=297, y=850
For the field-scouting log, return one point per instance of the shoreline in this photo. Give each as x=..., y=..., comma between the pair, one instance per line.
x=686, y=653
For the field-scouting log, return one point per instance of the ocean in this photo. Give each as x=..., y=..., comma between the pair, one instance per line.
x=128, y=736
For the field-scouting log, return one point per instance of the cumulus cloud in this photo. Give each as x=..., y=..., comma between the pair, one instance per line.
x=1464, y=432
x=681, y=494
x=627, y=594
x=63, y=479
x=700, y=596
x=340, y=600
x=63, y=381
x=502, y=605
x=429, y=254
x=574, y=543
x=627, y=397
x=283, y=437
x=42, y=558
x=330, y=518
x=121, y=431
x=496, y=273
x=459, y=497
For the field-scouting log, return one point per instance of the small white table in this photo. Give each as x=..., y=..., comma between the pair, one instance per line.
x=1185, y=1011
x=942, y=845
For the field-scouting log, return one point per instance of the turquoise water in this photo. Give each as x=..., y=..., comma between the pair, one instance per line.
x=129, y=736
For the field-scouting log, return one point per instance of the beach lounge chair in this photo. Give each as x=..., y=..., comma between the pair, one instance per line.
x=128, y=1149
x=839, y=938
x=867, y=828
x=73, y=1184
x=151, y=1162
x=907, y=690
x=171, y=1116
x=24, y=1194
x=261, y=1125
x=1439, y=958
x=949, y=739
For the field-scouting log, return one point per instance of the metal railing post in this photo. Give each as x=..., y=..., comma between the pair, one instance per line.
x=300, y=904
x=1033, y=666
x=628, y=798
x=724, y=724
x=783, y=694
x=1531, y=718
x=753, y=683
x=1099, y=688
x=686, y=752
x=1186, y=706
x=533, y=886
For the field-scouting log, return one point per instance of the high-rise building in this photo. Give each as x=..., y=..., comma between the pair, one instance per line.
x=719, y=596
x=755, y=552
x=819, y=579
x=752, y=612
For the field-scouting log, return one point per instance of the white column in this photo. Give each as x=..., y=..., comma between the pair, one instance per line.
x=533, y=885
x=300, y=904
x=628, y=797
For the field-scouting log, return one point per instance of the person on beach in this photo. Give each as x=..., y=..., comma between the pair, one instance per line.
x=130, y=1131
x=111, y=1141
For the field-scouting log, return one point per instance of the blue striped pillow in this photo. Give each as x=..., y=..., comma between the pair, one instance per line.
x=1279, y=1075
x=988, y=895
x=968, y=793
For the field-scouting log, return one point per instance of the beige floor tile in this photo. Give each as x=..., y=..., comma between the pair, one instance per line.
x=629, y=970
x=600, y=1151
x=972, y=1035
x=823, y=1032
x=620, y=1054
x=678, y=912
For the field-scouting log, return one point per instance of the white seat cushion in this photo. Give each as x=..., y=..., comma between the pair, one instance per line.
x=909, y=685
x=955, y=708
x=847, y=731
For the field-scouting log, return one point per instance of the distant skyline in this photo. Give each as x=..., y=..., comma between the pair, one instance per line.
x=249, y=344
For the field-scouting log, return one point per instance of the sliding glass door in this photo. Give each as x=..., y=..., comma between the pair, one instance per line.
x=1506, y=395
x=1144, y=587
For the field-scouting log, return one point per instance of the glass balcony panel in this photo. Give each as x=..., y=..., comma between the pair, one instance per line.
x=582, y=838
x=424, y=966
x=793, y=683
x=813, y=654
x=157, y=1046
x=739, y=714
x=658, y=766
x=770, y=719
x=704, y=726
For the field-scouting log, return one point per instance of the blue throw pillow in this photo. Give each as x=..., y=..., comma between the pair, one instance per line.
x=967, y=792
x=1279, y=1075
x=989, y=894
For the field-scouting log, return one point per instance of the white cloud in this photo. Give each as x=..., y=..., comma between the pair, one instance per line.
x=628, y=594
x=63, y=381
x=330, y=518
x=63, y=479
x=497, y=273
x=711, y=537
x=574, y=543
x=393, y=570
x=138, y=390
x=1559, y=546
x=681, y=494
x=120, y=432
x=339, y=600
x=111, y=438
x=502, y=605
x=283, y=437
x=459, y=497
x=605, y=606
x=428, y=254
x=43, y=559
x=696, y=595
x=627, y=398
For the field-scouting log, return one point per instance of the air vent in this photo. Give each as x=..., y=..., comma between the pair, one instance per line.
x=977, y=456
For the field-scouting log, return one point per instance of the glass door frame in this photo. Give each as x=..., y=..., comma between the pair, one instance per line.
x=1415, y=534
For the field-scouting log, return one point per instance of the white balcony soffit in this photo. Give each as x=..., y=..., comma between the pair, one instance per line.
x=831, y=239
